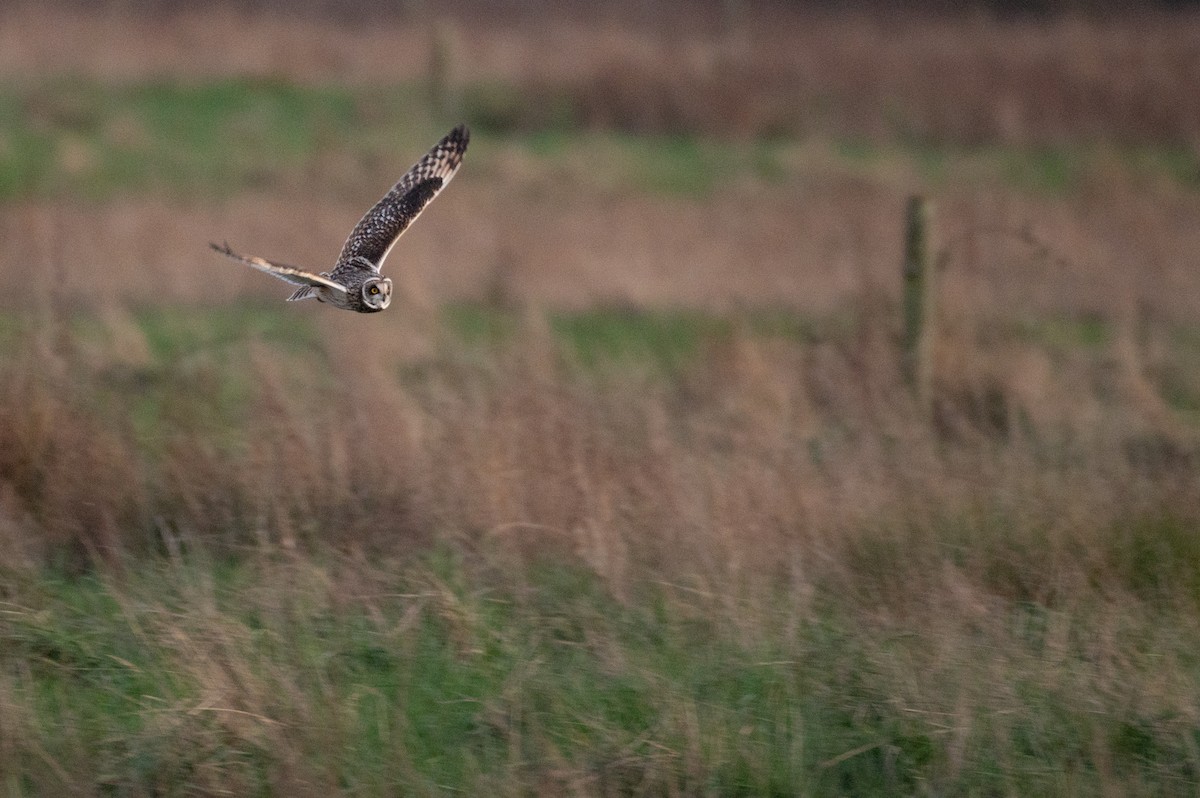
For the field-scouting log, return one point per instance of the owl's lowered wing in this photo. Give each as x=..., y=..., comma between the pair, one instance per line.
x=376, y=233
x=289, y=274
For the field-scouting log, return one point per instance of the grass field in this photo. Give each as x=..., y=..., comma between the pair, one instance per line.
x=626, y=494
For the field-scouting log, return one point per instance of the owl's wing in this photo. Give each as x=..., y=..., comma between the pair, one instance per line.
x=376, y=233
x=289, y=274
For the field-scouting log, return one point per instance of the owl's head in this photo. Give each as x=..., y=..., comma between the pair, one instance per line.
x=377, y=293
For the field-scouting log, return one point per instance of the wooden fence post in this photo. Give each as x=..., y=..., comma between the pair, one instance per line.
x=443, y=50
x=920, y=292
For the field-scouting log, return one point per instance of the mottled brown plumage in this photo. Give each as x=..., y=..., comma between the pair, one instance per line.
x=354, y=283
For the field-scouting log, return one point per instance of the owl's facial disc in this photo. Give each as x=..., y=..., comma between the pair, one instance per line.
x=377, y=293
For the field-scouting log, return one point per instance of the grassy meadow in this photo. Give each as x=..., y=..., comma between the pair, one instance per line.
x=626, y=494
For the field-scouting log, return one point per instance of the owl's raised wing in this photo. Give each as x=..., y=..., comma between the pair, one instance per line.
x=376, y=233
x=289, y=274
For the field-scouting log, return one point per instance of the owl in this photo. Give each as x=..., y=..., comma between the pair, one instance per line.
x=354, y=283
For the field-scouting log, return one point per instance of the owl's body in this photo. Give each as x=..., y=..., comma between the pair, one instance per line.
x=355, y=283
x=362, y=283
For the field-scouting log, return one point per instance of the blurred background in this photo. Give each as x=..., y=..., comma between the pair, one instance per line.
x=659, y=476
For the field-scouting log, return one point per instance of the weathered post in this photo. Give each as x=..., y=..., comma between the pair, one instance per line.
x=443, y=93
x=920, y=291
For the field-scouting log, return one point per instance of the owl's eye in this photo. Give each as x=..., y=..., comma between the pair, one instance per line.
x=374, y=290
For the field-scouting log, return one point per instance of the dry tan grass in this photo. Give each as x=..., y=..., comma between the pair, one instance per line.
x=967, y=78
x=543, y=452
x=766, y=453
x=1019, y=543
x=770, y=488
x=720, y=465
x=813, y=244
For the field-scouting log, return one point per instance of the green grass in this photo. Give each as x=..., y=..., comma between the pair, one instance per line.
x=1044, y=171
x=1091, y=333
x=667, y=340
x=682, y=165
x=440, y=675
x=83, y=139
x=1176, y=374
x=688, y=166
x=1180, y=164
x=1029, y=651
x=982, y=655
x=78, y=138
x=176, y=332
x=200, y=366
x=198, y=370
x=1158, y=559
x=1049, y=171
x=1179, y=376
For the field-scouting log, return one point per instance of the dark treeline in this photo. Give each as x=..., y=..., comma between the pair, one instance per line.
x=358, y=10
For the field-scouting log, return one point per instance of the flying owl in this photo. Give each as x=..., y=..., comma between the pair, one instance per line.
x=355, y=283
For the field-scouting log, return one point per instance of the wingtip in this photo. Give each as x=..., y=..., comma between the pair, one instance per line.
x=461, y=133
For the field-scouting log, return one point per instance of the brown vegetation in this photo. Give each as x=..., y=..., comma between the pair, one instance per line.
x=763, y=444
x=969, y=79
x=1033, y=534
